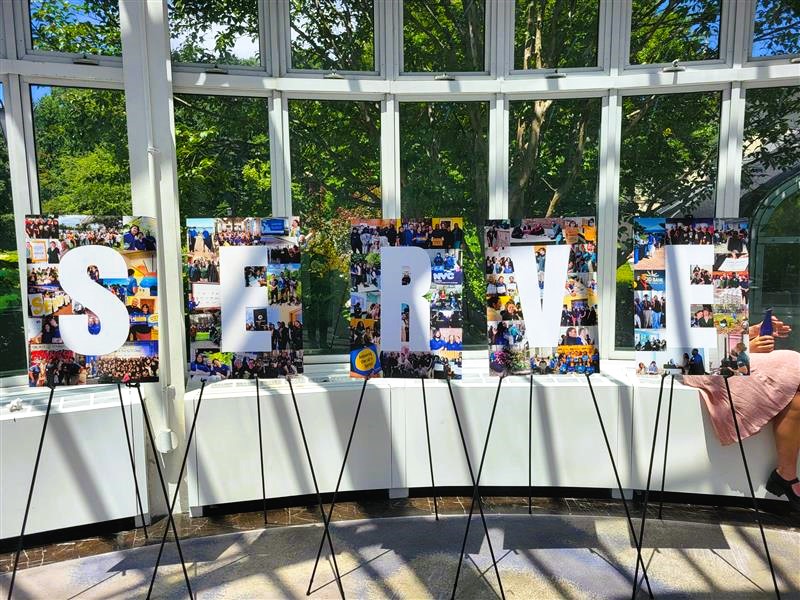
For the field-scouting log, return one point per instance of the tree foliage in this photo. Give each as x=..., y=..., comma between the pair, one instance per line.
x=78, y=26
x=556, y=34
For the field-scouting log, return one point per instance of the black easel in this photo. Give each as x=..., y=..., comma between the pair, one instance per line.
x=327, y=520
x=36, y=469
x=261, y=454
x=619, y=487
x=316, y=489
x=666, y=444
x=171, y=505
x=530, y=448
x=30, y=491
x=430, y=454
x=476, y=497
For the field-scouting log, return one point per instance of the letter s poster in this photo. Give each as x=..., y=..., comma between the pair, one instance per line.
x=49, y=238
x=406, y=314
x=691, y=287
x=244, y=272
x=541, y=296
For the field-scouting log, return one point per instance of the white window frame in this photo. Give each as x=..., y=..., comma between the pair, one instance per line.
x=612, y=78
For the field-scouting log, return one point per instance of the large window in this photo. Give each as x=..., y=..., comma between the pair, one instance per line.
x=771, y=198
x=553, y=34
x=76, y=26
x=553, y=157
x=12, y=336
x=333, y=35
x=214, y=32
x=222, y=144
x=81, y=150
x=335, y=153
x=443, y=35
x=668, y=167
x=776, y=28
x=667, y=30
x=444, y=153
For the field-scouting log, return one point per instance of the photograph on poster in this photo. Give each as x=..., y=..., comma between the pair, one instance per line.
x=543, y=270
x=406, y=350
x=702, y=270
x=244, y=302
x=54, y=355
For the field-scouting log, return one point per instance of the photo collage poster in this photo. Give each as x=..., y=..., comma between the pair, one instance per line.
x=48, y=238
x=564, y=340
x=276, y=307
x=442, y=239
x=691, y=286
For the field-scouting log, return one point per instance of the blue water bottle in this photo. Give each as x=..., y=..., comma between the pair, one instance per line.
x=766, y=324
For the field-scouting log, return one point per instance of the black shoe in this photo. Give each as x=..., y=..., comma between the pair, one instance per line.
x=780, y=487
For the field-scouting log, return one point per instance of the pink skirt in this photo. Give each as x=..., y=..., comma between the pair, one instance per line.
x=773, y=381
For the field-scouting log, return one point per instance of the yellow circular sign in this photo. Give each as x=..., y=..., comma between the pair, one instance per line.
x=365, y=360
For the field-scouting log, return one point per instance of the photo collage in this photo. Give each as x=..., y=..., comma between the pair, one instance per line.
x=575, y=350
x=280, y=312
x=442, y=239
x=715, y=288
x=48, y=239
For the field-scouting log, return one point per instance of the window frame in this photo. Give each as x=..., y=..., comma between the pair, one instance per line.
x=733, y=73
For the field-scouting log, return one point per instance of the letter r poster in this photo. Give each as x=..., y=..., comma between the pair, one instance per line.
x=406, y=284
x=70, y=297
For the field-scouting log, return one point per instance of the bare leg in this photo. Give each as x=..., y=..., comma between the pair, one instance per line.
x=787, y=440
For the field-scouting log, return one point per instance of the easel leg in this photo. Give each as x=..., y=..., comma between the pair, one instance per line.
x=261, y=453
x=171, y=520
x=316, y=489
x=666, y=447
x=619, y=482
x=30, y=493
x=430, y=455
x=530, y=448
x=647, y=492
x=752, y=491
x=336, y=489
x=133, y=462
x=476, y=490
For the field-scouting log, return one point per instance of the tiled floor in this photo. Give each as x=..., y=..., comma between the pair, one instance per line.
x=237, y=522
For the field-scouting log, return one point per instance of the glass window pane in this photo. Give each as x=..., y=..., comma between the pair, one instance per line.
x=222, y=145
x=214, y=32
x=79, y=26
x=771, y=198
x=776, y=28
x=668, y=167
x=444, y=157
x=552, y=34
x=333, y=35
x=81, y=150
x=771, y=144
x=336, y=176
x=443, y=35
x=666, y=30
x=12, y=335
x=553, y=157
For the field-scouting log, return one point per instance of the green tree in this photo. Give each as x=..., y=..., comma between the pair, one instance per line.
x=77, y=26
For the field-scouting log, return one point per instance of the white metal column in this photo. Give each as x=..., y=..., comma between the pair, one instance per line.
x=147, y=79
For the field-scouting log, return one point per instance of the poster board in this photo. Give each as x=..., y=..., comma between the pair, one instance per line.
x=542, y=299
x=244, y=298
x=691, y=289
x=91, y=284
x=406, y=294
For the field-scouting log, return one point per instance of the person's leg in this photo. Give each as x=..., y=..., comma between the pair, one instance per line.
x=787, y=440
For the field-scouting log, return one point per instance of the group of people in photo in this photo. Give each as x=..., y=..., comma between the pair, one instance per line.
x=371, y=235
x=651, y=344
x=649, y=311
x=210, y=365
x=363, y=334
x=285, y=336
x=566, y=364
x=701, y=276
x=202, y=268
x=579, y=314
x=702, y=316
x=53, y=368
x=112, y=368
x=698, y=232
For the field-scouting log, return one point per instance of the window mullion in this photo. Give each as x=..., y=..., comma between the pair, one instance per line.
x=390, y=157
x=498, y=158
x=280, y=156
x=735, y=150
x=608, y=216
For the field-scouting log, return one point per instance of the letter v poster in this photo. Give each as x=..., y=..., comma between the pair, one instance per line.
x=48, y=240
x=406, y=284
x=541, y=296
